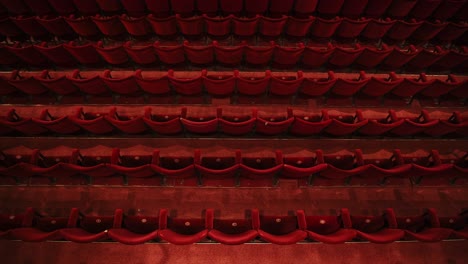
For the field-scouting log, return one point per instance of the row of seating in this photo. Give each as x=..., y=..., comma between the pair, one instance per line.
x=421, y=9
x=230, y=168
x=211, y=120
x=223, y=27
x=409, y=59
x=254, y=227
x=226, y=84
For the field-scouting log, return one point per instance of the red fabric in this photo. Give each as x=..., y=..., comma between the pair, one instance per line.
x=85, y=54
x=269, y=126
x=412, y=126
x=171, y=55
x=305, y=7
x=6, y=87
x=189, y=86
x=201, y=126
x=15, y=7
x=259, y=55
x=245, y=27
x=453, y=124
x=350, y=28
x=218, y=26
x=141, y=54
x=401, y=8
x=259, y=171
x=440, y=87
x=39, y=7
x=282, y=7
x=294, y=170
x=28, y=54
x=330, y=7
x=349, y=87
x=371, y=57
x=286, y=86
x=87, y=7
x=192, y=26
x=57, y=54
x=323, y=28
x=297, y=27
x=60, y=85
x=272, y=27
x=287, y=57
x=134, y=166
x=165, y=125
x=376, y=8
x=158, y=8
x=92, y=122
x=313, y=57
x=343, y=57
x=110, y=6
x=281, y=230
x=221, y=85
x=236, y=125
x=303, y=127
x=109, y=26
x=203, y=55
x=228, y=55
x=180, y=231
x=113, y=55
x=135, y=8
x=8, y=28
x=426, y=58
x=341, y=127
x=183, y=7
x=56, y=26
x=373, y=229
x=447, y=9
x=256, y=7
x=152, y=85
x=398, y=57
x=231, y=6
x=164, y=27
x=318, y=86
x=410, y=87
x=220, y=171
x=452, y=59
x=376, y=28
x=28, y=85
x=63, y=7
x=82, y=26
x=402, y=30
x=353, y=8
x=127, y=125
x=61, y=125
x=94, y=85
x=452, y=31
x=424, y=8
x=328, y=229
x=208, y=7
x=123, y=86
x=136, y=26
x=379, y=127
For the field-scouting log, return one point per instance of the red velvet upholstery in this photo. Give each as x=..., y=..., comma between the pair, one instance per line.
x=183, y=7
x=318, y=86
x=344, y=57
x=199, y=55
x=135, y=8
x=60, y=125
x=29, y=84
x=410, y=87
x=282, y=230
x=92, y=122
x=272, y=27
x=229, y=55
x=376, y=8
x=57, y=54
x=177, y=170
x=127, y=124
x=329, y=8
x=401, y=8
x=218, y=27
x=377, y=28
x=63, y=7
x=158, y=8
x=423, y=9
x=256, y=7
x=185, y=231
x=85, y=54
x=425, y=228
x=402, y=30
x=308, y=125
x=253, y=85
x=136, y=229
x=244, y=27
x=10, y=222
x=260, y=171
x=349, y=87
x=399, y=57
x=376, y=87
x=235, y=231
x=287, y=57
x=280, y=7
x=83, y=26
x=286, y=85
x=109, y=6
x=220, y=85
x=298, y=27
x=259, y=55
x=57, y=26
x=231, y=6
x=87, y=7
x=113, y=55
x=163, y=124
x=190, y=27
x=123, y=86
x=351, y=28
x=378, y=229
x=353, y=8
x=152, y=85
x=330, y=229
x=136, y=26
x=323, y=28
x=144, y=55
x=217, y=171
x=208, y=7
x=171, y=55
x=30, y=26
x=236, y=125
x=165, y=27
x=28, y=54
x=371, y=57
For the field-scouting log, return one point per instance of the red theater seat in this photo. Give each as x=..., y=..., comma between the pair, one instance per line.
x=19, y=165
x=402, y=30
x=92, y=122
x=377, y=28
x=318, y=86
x=271, y=125
x=217, y=170
x=453, y=124
x=253, y=86
x=411, y=86
x=258, y=56
x=314, y=57
x=401, y=8
x=259, y=7
x=84, y=53
x=237, y=124
x=344, y=57
x=160, y=8
x=353, y=8
x=426, y=58
x=329, y=8
x=15, y=7
x=452, y=31
x=245, y=27
x=380, y=126
x=377, y=8
x=165, y=27
x=304, y=8
x=230, y=56
x=114, y=55
x=110, y=6
x=184, y=231
x=308, y=124
x=83, y=26
x=218, y=27
x=287, y=57
x=400, y=57
x=57, y=26
x=176, y=169
x=283, y=230
x=208, y=7
x=235, y=231
x=452, y=59
x=9, y=29
x=271, y=27
x=424, y=9
x=199, y=55
x=134, y=8
x=351, y=28
x=87, y=7
x=56, y=54
x=191, y=27
x=220, y=85
x=136, y=229
x=28, y=54
x=300, y=168
x=330, y=229
x=153, y=85
x=424, y=228
x=447, y=9
x=171, y=55
x=143, y=55
x=56, y=124
x=91, y=228
x=428, y=30
x=441, y=87
x=324, y=28
x=378, y=229
x=183, y=7
x=63, y=7
x=189, y=85
x=260, y=171
x=231, y=6
x=127, y=123
x=298, y=27
x=137, y=167
x=43, y=228
x=286, y=85
x=90, y=85
x=39, y=7
x=164, y=124
x=340, y=167
x=349, y=87
x=201, y=123
x=282, y=7
x=412, y=125
x=11, y=221
x=430, y=169
x=378, y=86
x=371, y=57
x=121, y=84
x=136, y=26
x=28, y=84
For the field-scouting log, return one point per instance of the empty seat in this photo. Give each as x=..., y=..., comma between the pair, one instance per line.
x=452, y=31
x=136, y=26
x=308, y=124
x=341, y=166
x=191, y=27
x=218, y=27
x=314, y=57
x=84, y=53
x=83, y=26
x=452, y=59
x=283, y=230
x=30, y=26
x=57, y=124
x=165, y=27
x=144, y=55
x=110, y=6
x=220, y=85
x=411, y=86
x=172, y=55
x=329, y=8
x=12, y=221
x=304, y=8
x=161, y=123
x=273, y=124
x=324, y=28
x=401, y=8
x=426, y=58
x=91, y=228
x=134, y=8
x=430, y=169
x=399, y=57
x=286, y=85
x=280, y=7
x=183, y=7
x=236, y=124
x=199, y=55
x=187, y=86
x=380, y=126
x=28, y=84
x=298, y=27
x=208, y=7
x=229, y=55
x=378, y=229
x=349, y=87
x=300, y=168
x=87, y=7
x=253, y=8
x=428, y=30
x=253, y=86
x=260, y=171
x=136, y=229
x=176, y=169
x=287, y=57
x=344, y=57
x=159, y=8
x=90, y=85
x=351, y=28
x=121, y=84
x=271, y=27
x=136, y=167
x=217, y=170
x=201, y=123
x=423, y=9
x=259, y=56
x=231, y=6
x=377, y=28
x=56, y=54
x=454, y=124
x=245, y=27
x=57, y=26
x=235, y=231
x=128, y=123
x=24, y=125
x=184, y=231
x=371, y=57
x=28, y=54
x=402, y=30
x=42, y=228
x=92, y=122
x=63, y=7
x=412, y=125
x=353, y=8
x=153, y=85
x=330, y=229
x=114, y=55
x=425, y=228
x=447, y=9
x=376, y=8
